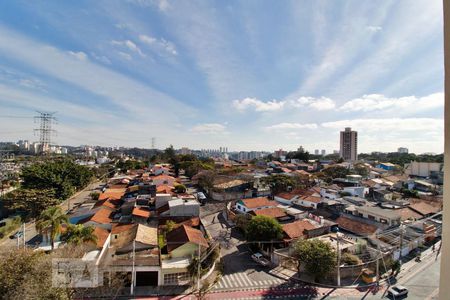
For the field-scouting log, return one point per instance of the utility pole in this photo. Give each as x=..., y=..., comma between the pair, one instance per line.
x=24, y=240
x=401, y=242
x=133, y=270
x=378, y=260
x=198, y=269
x=338, y=259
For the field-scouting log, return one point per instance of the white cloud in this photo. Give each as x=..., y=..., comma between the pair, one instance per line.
x=258, y=105
x=130, y=45
x=163, y=44
x=163, y=5
x=101, y=58
x=389, y=125
x=132, y=96
x=275, y=105
x=210, y=128
x=374, y=28
x=125, y=55
x=380, y=102
x=288, y=126
x=322, y=103
x=79, y=55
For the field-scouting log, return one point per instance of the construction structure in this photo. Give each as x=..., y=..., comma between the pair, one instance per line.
x=45, y=131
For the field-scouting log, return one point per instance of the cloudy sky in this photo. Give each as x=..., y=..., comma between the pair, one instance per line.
x=249, y=75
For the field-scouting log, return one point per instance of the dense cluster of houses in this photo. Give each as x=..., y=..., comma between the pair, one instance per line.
x=141, y=221
x=359, y=206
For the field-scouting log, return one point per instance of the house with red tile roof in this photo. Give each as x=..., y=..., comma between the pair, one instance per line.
x=251, y=204
x=163, y=180
x=273, y=212
x=298, y=229
x=185, y=241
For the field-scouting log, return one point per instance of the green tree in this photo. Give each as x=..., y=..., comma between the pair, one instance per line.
x=318, y=257
x=30, y=201
x=64, y=176
x=336, y=172
x=360, y=169
x=79, y=234
x=263, y=228
x=27, y=274
x=170, y=225
x=279, y=183
x=50, y=223
x=241, y=222
x=350, y=259
x=180, y=188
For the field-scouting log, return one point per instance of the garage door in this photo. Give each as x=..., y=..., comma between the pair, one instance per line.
x=147, y=278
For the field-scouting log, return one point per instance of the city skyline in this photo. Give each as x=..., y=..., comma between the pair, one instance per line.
x=228, y=74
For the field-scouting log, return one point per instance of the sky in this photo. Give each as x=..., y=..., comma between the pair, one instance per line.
x=247, y=75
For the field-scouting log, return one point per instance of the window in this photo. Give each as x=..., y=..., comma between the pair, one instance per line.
x=176, y=278
x=370, y=217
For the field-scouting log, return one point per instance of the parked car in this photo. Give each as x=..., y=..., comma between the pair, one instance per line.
x=260, y=259
x=201, y=197
x=397, y=292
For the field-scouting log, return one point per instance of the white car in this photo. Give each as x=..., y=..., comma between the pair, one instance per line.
x=397, y=291
x=259, y=258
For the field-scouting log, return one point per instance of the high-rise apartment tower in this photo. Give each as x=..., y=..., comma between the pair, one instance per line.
x=349, y=144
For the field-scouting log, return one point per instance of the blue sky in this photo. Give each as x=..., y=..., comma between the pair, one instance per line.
x=249, y=75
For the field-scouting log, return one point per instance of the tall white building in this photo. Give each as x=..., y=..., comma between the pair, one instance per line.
x=349, y=144
x=402, y=150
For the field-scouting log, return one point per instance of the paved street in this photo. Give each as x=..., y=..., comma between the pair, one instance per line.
x=240, y=271
x=31, y=236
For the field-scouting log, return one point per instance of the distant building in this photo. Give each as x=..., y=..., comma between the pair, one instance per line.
x=323, y=152
x=349, y=144
x=402, y=150
x=316, y=152
x=185, y=151
x=279, y=153
x=335, y=151
x=422, y=169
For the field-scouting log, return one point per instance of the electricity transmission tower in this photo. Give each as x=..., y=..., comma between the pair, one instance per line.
x=45, y=120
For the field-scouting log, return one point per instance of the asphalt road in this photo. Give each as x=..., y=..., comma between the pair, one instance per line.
x=31, y=236
x=234, y=252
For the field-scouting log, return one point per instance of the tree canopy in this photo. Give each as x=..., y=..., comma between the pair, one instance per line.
x=50, y=222
x=318, y=257
x=31, y=202
x=79, y=234
x=263, y=228
x=279, y=182
x=63, y=176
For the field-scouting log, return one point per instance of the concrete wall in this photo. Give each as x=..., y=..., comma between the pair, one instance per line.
x=186, y=250
x=444, y=287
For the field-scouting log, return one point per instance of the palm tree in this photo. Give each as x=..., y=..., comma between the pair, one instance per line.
x=80, y=234
x=50, y=222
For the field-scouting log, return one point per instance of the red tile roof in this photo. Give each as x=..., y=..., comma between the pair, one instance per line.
x=102, y=216
x=102, y=235
x=165, y=189
x=273, y=212
x=424, y=208
x=183, y=235
x=141, y=212
x=313, y=199
x=258, y=202
x=355, y=226
x=297, y=229
x=114, y=194
x=118, y=228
